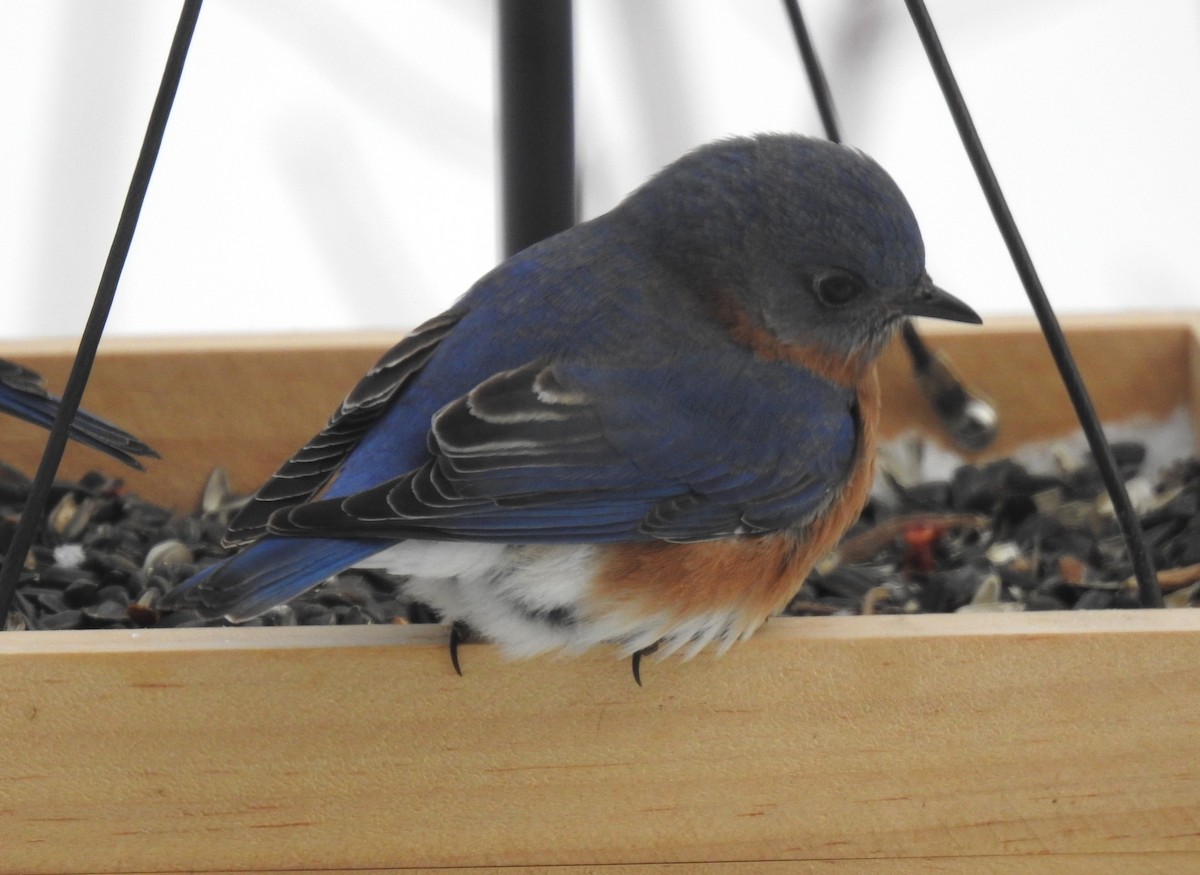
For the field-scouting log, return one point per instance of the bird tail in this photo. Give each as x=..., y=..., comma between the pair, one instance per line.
x=86, y=428
x=266, y=574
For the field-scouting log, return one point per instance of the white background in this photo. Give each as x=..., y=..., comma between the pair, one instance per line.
x=330, y=165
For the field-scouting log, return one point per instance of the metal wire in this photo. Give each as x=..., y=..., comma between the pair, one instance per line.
x=1149, y=592
x=43, y=480
x=816, y=74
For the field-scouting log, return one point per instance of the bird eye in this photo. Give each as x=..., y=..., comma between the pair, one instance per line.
x=836, y=288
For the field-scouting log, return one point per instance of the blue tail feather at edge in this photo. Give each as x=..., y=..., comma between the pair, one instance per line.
x=268, y=573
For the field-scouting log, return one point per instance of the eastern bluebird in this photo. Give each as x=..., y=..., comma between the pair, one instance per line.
x=23, y=395
x=642, y=431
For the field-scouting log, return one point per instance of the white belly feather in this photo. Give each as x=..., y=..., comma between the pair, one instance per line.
x=531, y=599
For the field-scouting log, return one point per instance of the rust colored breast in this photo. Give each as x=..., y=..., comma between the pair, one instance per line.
x=749, y=577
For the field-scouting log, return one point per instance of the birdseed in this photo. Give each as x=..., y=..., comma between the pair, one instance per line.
x=992, y=537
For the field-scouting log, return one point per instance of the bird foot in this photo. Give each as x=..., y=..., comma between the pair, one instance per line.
x=637, y=660
x=459, y=632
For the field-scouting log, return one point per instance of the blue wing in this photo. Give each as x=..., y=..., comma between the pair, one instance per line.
x=311, y=468
x=582, y=452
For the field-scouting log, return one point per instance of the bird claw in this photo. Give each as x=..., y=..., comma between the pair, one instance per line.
x=637, y=661
x=459, y=632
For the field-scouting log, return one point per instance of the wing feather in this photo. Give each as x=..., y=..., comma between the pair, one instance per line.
x=304, y=474
x=536, y=455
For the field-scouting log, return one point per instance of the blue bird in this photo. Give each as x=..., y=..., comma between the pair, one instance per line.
x=643, y=431
x=23, y=395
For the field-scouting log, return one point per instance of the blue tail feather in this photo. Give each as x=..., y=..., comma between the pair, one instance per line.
x=267, y=573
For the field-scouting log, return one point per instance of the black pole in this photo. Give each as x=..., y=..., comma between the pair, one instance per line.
x=1149, y=592
x=43, y=480
x=537, y=121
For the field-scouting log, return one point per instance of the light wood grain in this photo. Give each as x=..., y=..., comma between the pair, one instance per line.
x=1134, y=366
x=1078, y=864
x=244, y=403
x=909, y=738
x=1083, y=864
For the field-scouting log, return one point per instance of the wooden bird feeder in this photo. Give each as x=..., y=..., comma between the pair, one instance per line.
x=1018, y=742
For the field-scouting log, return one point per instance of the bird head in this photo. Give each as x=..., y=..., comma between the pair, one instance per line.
x=809, y=240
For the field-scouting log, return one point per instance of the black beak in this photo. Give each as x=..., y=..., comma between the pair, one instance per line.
x=928, y=300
